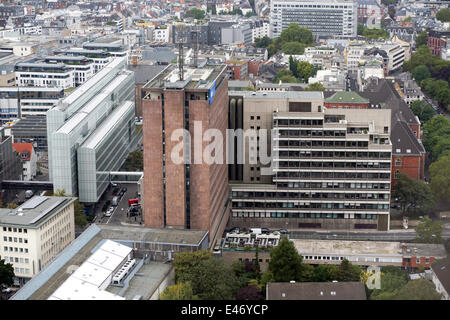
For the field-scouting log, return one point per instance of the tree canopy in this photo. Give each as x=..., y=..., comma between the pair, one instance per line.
x=429, y=231
x=443, y=15
x=413, y=195
x=6, y=273
x=422, y=110
x=440, y=178
x=437, y=137
x=295, y=33
x=317, y=86
x=285, y=263
x=422, y=39
x=197, y=13
x=421, y=73
x=179, y=291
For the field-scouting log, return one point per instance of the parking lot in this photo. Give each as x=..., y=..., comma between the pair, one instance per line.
x=119, y=215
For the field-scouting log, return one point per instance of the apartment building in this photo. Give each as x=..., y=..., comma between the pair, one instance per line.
x=28, y=158
x=44, y=75
x=35, y=232
x=82, y=119
x=99, y=58
x=188, y=194
x=114, y=49
x=322, y=17
x=330, y=167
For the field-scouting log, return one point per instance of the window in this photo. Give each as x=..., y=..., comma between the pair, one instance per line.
x=418, y=260
x=398, y=162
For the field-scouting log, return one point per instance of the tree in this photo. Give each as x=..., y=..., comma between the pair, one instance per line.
x=413, y=194
x=250, y=88
x=263, y=42
x=422, y=39
x=421, y=73
x=285, y=263
x=250, y=14
x=305, y=71
x=392, y=280
x=184, y=261
x=429, y=231
x=250, y=292
x=437, y=137
x=285, y=76
x=293, y=65
x=316, y=86
x=348, y=271
x=422, y=110
x=179, y=291
x=293, y=47
x=12, y=205
x=420, y=289
x=443, y=15
x=440, y=178
x=134, y=161
x=6, y=273
x=197, y=13
x=325, y=273
x=295, y=33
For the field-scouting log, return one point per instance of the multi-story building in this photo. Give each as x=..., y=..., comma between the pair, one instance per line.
x=192, y=192
x=437, y=41
x=44, y=75
x=31, y=129
x=237, y=34
x=322, y=17
x=440, y=276
x=411, y=91
x=330, y=167
x=260, y=29
x=10, y=165
x=17, y=102
x=95, y=116
x=114, y=49
x=28, y=158
x=35, y=232
x=369, y=13
x=99, y=58
x=82, y=67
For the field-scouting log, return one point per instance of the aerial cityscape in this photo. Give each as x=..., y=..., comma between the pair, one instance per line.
x=225, y=150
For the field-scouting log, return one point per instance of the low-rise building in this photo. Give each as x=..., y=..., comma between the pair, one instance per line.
x=440, y=275
x=28, y=158
x=35, y=232
x=44, y=75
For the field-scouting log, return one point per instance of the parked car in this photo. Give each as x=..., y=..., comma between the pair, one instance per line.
x=283, y=231
x=124, y=189
x=115, y=201
x=6, y=290
x=113, y=184
x=29, y=194
x=109, y=212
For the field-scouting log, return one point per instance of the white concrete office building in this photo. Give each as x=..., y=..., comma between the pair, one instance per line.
x=35, y=232
x=322, y=17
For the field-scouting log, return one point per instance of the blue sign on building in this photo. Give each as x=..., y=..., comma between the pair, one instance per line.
x=212, y=92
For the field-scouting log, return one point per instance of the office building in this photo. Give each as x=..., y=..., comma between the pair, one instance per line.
x=35, y=232
x=322, y=17
x=185, y=195
x=99, y=58
x=97, y=118
x=82, y=67
x=331, y=167
x=44, y=75
x=31, y=129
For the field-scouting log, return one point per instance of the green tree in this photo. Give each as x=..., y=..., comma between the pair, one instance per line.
x=197, y=13
x=179, y=291
x=325, y=273
x=374, y=33
x=348, y=272
x=134, y=161
x=443, y=15
x=185, y=261
x=305, y=71
x=6, y=273
x=250, y=14
x=12, y=205
x=422, y=39
x=295, y=33
x=250, y=88
x=293, y=47
x=420, y=289
x=429, y=231
x=316, y=86
x=440, y=178
x=293, y=65
x=263, y=42
x=437, y=137
x=413, y=194
x=284, y=75
x=421, y=73
x=80, y=217
x=285, y=263
x=422, y=110
x=288, y=79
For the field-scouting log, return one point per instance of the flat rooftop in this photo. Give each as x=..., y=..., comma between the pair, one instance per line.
x=46, y=282
x=34, y=212
x=344, y=247
x=194, y=78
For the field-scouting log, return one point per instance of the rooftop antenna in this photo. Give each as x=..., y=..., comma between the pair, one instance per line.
x=181, y=40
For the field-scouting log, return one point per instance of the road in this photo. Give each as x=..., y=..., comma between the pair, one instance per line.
x=119, y=215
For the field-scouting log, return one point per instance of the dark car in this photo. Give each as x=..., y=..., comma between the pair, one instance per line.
x=124, y=189
x=283, y=231
x=265, y=230
x=121, y=194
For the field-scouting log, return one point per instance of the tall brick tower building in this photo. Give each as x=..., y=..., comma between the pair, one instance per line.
x=185, y=195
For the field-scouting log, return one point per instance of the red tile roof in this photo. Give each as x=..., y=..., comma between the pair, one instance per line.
x=22, y=148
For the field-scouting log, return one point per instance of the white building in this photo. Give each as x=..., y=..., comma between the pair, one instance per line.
x=322, y=17
x=161, y=35
x=261, y=31
x=35, y=232
x=44, y=75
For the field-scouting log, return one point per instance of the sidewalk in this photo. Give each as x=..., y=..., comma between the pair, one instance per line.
x=351, y=231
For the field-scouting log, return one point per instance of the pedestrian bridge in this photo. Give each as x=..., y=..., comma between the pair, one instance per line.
x=26, y=185
x=125, y=176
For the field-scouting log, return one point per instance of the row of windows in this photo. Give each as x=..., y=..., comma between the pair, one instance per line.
x=335, y=175
x=17, y=260
x=301, y=215
x=308, y=205
x=335, y=165
x=15, y=239
x=15, y=249
x=335, y=154
x=321, y=195
x=10, y=229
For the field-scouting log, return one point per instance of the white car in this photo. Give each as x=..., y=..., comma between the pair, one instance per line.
x=109, y=212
